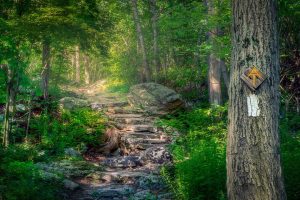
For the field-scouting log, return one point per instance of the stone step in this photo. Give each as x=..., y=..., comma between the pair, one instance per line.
x=114, y=192
x=121, y=176
x=123, y=110
x=117, y=116
x=135, y=121
x=144, y=135
x=100, y=106
x=132, y=140
x=139, y=128
x=145, y=146
x=123, y=162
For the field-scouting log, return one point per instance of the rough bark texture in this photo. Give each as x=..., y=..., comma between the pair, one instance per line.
x=77, y=65
x=214, y=71
x=154, y=18
x=146, y=69
x=253, y=159
x=46, y=69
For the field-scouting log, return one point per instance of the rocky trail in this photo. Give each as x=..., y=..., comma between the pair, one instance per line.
x=132, y=169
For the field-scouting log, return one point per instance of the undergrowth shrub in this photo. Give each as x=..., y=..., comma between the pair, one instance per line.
x=20, y=179
x=290, y=154
x=79, y=128
x=199, y=170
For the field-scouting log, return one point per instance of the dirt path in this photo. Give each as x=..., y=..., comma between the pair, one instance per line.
x=133, y=170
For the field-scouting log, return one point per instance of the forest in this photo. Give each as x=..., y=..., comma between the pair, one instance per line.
x=149, y=99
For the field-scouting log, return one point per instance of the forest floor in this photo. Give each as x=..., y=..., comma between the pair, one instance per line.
x=132, y=171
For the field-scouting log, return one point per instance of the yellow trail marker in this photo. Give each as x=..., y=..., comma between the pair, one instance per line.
x=253, y=74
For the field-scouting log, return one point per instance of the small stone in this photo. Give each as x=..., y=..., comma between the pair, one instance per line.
x=123, y=162
x=70, y=185
x=21, y=108
x=72, y=102
x=157, y=155
x=72, y=152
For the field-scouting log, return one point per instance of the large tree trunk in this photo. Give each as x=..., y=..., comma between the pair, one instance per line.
x=46, y=69
x=146, y=69
x=154, y=18
x=253, y=158
x=214, y=70
x=77, y=65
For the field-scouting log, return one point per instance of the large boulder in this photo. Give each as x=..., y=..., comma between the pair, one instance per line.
x=154, y=98
x=72, y=102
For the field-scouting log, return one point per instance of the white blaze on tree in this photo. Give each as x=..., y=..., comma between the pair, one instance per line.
x=253, y=108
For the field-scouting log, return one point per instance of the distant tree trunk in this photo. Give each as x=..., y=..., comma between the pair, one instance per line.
x=11, y=92
x=72, y=74
x=7, y=110
x=146, y=68
x=214, y=71
x=46, y=69
x=298, y=105
x=224, y=72
x=253, y=158
x=86, y=70
x=77, y=64
x=154, y=18
x=197, y=53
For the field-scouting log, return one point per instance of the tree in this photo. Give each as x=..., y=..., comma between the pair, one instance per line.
x=86, y=63
x=146, y=72
x=77, y=65
x=253, y=158
x=46, y=57
x=214, y=67
x=154, y=18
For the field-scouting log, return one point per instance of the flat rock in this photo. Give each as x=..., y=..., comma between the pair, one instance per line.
x=134, y=121
x=114, y=191
x=154, y=98
x=139, y=128
x=115, y=116
x=100, y=106
x=72, y=102
x=70, y=185
x=123, y=162
x=157, y=155
x=122, y=176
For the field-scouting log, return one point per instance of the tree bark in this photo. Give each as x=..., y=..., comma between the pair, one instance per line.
x=46, y=69
x=146, y=69
x=214, y=71
x=7, y=114
x=86, y=70
x=77, y=64
x=12, y=81
x=224, y=72
x=253, y=158
x=154, y=18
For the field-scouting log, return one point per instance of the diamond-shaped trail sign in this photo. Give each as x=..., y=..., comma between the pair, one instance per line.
x=253, y=77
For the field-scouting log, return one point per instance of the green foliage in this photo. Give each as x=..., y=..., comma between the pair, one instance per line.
x=80, y=128
x=199, y=155
x=290, y=152
x=20, y=179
